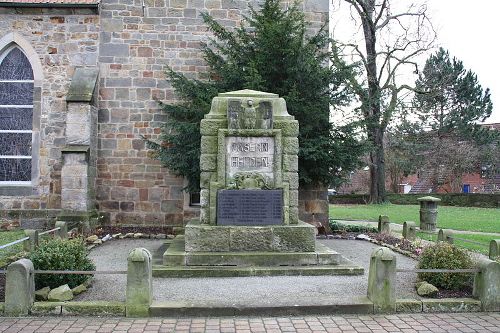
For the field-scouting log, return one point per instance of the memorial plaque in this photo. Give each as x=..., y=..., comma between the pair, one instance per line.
x=249, y=207
x=250, y=154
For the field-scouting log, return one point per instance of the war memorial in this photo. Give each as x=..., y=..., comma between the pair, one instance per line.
x=249, y=196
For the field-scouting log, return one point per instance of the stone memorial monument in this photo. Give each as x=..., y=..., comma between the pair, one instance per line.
x=249, y=190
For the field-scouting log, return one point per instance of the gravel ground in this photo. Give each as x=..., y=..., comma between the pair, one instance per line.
x=279, y=290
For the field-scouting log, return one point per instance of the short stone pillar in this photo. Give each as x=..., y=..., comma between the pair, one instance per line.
x=494, y=248
x=384, y=225
x=382, y=280
x=445, y=236
x=139, y=283
x=75, y=194
x=62, y=233
x=487, y=284
x=428, y=212
x=19, y=288
x=409, y=230
x=32, y=243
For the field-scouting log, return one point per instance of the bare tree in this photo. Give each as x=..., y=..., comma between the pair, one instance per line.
x=392, y=42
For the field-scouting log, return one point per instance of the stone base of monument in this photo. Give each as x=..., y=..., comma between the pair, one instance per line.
x=234, y=238
x=176, y=255
x=229, y=250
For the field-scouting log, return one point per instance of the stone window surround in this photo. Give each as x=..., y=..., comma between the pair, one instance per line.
x=6, y=43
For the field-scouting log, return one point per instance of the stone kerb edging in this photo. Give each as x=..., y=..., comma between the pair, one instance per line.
x=19, y=298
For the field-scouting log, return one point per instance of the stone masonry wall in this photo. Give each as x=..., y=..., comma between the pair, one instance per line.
x=130, y=41
x=63, y=39
x=136, y=43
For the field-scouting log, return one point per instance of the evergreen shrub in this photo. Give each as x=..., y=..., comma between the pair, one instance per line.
x=57, y=254
x=444, y=255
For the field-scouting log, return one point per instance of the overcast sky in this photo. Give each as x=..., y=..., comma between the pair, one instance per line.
x=470, y=30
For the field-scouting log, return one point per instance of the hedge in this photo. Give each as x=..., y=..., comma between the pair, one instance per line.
x=447, y=199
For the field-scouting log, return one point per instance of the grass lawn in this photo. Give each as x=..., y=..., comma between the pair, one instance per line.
x=7, y=237
x=484, y=239
x=449, y=217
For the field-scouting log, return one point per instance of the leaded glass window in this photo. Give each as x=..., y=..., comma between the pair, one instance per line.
x=16, y=117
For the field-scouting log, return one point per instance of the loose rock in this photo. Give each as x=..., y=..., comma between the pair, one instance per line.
x=138, y=235
x=79, y=289
x=363, y=237
x=42, y=294
x=427, y=289
x=161, y=236
x=418, y=284
x=61, y=294
x=92, y=239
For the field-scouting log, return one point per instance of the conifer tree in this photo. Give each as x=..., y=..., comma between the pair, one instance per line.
x=270, y=51
x=449, y=99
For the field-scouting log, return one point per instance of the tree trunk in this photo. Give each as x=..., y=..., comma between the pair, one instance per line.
x=377, y=168
x=372, y=117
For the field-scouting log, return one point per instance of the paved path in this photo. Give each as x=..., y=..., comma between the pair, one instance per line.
x=458, y=322
x=245, y=291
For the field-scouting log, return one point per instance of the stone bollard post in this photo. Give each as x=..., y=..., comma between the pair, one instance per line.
x=139, y=283
x=31, y=243
x=409, y=230
x=445, y=236
x=384, y=224
x=494, y=248
x=19, y=288
x=62, y=233
x=382, y=280
x=487, y=284
x=428, y=212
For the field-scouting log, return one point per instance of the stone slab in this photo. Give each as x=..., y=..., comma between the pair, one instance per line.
x=162, y=271
x=175, y=255
x=451, y=305
x=181, y=309
x=408, y=305
x=284, y=238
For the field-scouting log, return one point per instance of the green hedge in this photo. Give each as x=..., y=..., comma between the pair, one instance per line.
x=448, y=199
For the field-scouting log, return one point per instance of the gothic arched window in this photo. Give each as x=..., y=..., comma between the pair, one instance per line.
x=16, y=117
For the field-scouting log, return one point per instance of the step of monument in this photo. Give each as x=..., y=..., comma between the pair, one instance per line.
x=182, y=271
x=176, y=256
x=358, y=305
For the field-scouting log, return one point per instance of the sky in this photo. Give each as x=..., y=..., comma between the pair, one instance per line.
x=469, y=30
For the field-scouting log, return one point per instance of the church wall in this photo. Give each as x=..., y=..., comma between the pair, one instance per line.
x=136, y=44
x=61, y=40
x=131, y=42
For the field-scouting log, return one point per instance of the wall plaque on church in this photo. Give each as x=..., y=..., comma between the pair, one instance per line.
x=249, y=207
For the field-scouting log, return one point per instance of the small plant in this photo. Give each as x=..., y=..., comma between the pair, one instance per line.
x=443, y=255
x=57, y=254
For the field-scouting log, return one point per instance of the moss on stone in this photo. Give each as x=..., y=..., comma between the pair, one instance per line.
x=209, y=145
x=298, y=238
x=290, y=163
x=451, y=305
x=211, y=127
x=94, y=308
x=290, y=145
x=250, y=239
x=46, y=308
x=208, y=162
x=408, y=305
x=287, y=127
